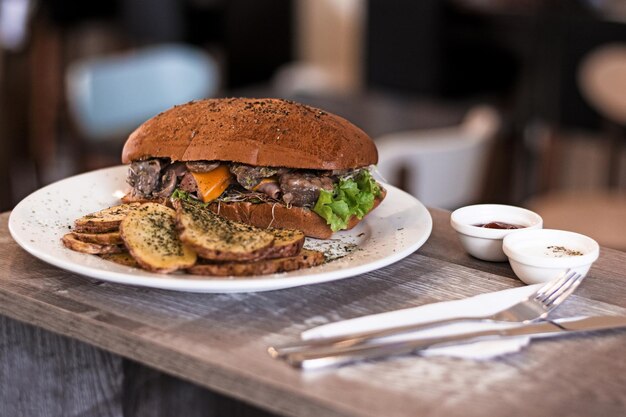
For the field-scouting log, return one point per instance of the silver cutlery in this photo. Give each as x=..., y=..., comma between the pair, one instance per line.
x=334, y=356
x=534, y=307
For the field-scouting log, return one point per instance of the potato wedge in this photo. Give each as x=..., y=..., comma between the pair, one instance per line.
x=107, y=238
x=149, y=233
x=107, y=220
x=216, y=238
x=305, y=259
x=70, y=242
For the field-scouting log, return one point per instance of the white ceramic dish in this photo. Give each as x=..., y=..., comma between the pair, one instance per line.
x=541, y=255
x=397, y=228
x=484, y=243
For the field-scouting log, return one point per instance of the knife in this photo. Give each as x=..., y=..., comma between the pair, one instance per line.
x=315, y=358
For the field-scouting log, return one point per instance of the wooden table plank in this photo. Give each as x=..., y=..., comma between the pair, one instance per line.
x=219, y=340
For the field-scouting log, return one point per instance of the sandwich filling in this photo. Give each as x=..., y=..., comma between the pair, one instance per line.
x=334, y=195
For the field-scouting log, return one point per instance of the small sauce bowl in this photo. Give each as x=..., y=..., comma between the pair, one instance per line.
x=486, y=243
x=541, y=255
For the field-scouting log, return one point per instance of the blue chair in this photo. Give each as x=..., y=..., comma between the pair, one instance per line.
x=109, y=96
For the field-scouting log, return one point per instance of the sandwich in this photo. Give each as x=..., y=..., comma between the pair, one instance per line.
x=265, y=162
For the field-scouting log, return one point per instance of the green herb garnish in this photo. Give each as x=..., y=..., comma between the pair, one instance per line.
x=179, y=194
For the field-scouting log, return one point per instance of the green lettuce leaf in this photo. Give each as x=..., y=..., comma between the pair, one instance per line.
x=350, y=197
x=179, y=194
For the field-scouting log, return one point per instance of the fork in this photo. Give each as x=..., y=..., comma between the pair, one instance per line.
x=534, y=307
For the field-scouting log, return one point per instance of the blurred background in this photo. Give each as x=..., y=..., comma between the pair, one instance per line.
x=505, y=101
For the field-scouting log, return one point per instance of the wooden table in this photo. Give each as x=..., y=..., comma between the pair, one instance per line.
x=218, y=341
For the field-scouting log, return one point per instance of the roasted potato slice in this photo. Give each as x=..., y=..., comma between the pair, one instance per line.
x=216, y=238
x=287, y=242
x=70, y=242
x=149, y=233
x=305, y=259
x=123, y=258
x=107, y=238
x=107, y=220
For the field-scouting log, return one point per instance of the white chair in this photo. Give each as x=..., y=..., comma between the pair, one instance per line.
x=109, y=96
x=444, y=167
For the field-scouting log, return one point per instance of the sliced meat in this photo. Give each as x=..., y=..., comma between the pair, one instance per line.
x=144, y=176
x=341, y=172
x=271, y=189
x=179, y=168
x=170, y=179
x=202, y=166
x=250, y=176
x=303, y=188
x=188, y=183
x=168, y=184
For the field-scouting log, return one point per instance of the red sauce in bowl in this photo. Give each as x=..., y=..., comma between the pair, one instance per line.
x=500, y=225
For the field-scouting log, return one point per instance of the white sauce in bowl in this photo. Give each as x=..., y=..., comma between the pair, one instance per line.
x=550, y=251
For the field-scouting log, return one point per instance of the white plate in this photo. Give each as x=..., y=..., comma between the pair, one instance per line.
x=397, y=228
